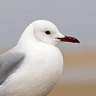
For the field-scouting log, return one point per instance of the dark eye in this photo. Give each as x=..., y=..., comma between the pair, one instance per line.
x=47, y=32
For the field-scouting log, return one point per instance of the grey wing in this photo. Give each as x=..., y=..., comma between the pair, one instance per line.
x=9, y=62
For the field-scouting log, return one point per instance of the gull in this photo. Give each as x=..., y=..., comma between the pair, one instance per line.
x=34, y=65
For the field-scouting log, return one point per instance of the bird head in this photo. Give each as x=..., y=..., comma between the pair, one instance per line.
x=46, y=32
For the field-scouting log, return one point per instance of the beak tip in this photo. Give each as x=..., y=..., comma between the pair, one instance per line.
x=77, y=41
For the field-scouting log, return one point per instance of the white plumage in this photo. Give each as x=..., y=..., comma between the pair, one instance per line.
x=37, y=62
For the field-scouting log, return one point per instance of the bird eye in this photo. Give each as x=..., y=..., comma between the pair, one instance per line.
x=47, y=32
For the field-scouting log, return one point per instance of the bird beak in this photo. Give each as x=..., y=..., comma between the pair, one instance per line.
x=69, y=39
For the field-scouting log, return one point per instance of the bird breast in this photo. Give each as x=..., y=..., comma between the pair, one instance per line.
x=40, y=71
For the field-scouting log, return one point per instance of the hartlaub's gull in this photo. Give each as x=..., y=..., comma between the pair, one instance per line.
x=34, y=65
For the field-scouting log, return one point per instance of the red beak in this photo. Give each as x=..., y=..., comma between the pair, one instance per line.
x=69, y=39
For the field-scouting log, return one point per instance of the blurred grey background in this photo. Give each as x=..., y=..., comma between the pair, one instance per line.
x=72, y=17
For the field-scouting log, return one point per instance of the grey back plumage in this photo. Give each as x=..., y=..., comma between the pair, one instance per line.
x=9, y=62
